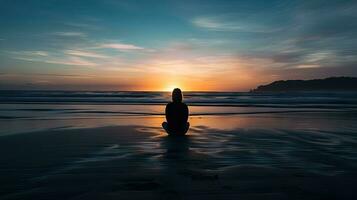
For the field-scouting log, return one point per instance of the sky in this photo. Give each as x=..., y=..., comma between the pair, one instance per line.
x=147, y=45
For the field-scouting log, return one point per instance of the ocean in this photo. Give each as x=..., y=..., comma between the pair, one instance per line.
x=110, y=145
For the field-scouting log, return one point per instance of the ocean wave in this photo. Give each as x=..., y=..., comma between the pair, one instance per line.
x=241, y=99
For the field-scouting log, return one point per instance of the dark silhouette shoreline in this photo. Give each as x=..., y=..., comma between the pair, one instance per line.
x=327, y=84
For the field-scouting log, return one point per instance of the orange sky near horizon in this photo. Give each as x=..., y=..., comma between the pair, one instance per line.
x=139, y=82
x=162, y=72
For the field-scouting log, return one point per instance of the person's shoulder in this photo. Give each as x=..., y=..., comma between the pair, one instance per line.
x=170, y=104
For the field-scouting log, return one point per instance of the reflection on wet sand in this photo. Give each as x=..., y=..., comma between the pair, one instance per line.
x=138, y=161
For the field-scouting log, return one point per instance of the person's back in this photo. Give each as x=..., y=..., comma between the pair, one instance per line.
x=176, y=115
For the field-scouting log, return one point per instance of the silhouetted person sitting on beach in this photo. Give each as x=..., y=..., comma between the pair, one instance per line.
x=176, y=115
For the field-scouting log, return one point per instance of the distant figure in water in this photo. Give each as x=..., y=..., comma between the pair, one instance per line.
x=176, y=115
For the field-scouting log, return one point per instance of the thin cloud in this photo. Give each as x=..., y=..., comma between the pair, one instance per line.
x=70, y=34
x=30, y=53
x=71, y=61
x=84, y=54
x=48, y=75
x=307, y=66
x=77, y=61
x=46, y=57
x=121, y=46
x=82, y=25
x=210, y=24
x=26, y=59
x=229, y=23
x=40, y=53
x=64, y=75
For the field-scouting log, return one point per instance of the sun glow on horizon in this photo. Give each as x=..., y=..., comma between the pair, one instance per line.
x=170, y=88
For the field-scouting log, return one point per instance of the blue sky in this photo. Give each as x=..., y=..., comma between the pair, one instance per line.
x=156, y=45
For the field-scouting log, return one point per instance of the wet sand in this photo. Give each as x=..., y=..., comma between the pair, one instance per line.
x=141, y=162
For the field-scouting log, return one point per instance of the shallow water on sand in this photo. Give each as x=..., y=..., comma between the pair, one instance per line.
x=106, y=151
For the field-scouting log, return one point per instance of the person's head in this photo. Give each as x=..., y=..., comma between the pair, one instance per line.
x=177, y=95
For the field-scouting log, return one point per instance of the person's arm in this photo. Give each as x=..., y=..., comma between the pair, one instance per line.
x=186, y=113
x=167, y=112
